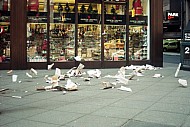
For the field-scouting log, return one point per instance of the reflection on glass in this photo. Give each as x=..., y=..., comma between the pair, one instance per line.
x=115, y=9
x=4, y=31
x=36, y=42
x=37, y=30
x=62, y=30
x=62, y=42
x=4, y=42
x=114, y=42
x=89, y=46
x=138, y=43
x=138, y=30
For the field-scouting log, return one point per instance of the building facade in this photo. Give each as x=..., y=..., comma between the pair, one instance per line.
x=97, y=33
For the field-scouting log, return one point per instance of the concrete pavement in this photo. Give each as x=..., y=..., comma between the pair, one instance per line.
x=153, y=102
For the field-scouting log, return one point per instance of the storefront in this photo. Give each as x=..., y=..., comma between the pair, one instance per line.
x=104, y=34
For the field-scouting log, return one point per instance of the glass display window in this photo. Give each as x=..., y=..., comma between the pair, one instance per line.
x=139, y=43
x=89, y=42
x=62, y=30
x=37, y=44
x=89, y=31
x=4, y=31
x=114, y=42
x=115, y=30
x=62, y=42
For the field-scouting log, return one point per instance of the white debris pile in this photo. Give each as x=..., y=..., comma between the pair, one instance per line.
x=71, y=86
x=121, y=79
x=76, y=71
x=94, y=73
x=182, y=82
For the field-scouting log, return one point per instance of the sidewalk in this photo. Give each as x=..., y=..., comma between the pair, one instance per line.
x=153, y=102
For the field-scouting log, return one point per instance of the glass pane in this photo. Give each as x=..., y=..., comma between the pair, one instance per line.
x=89, y=29
x=62, y=30
x=37, y=30
x=62, y=42
x=89, y=42
x=116, y=9
x=114, y=42
x=139, y=30
x=4, y=31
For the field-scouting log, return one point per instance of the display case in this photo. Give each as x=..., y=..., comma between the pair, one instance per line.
x=114, y=42
x=62, y=42
x=62, y=31
x=89, y=31
x=138, y=30
x=114, y=30
x=138, y=43
x=5, y=35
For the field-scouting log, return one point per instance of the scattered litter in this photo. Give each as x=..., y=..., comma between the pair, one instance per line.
x=177, y=71
x=10, y=71
x=27, y=74
x=121, y=71
x=50, y=66
x=14, y=78
x=157, y=76
x=123, y=88
x=33, y=71
x=107, y=85
x=182, y=82
x=57, y=72
x=71, y=86
x=94, y=73
x=4, y=89
x=122, y=80
x=17, y=97
x=64, y=92
x=75, y=71
x=19, y=81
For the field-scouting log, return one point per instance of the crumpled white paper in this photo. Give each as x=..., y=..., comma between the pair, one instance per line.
x=50, y=66
x=182, y=82
x=94, y=73
x=123, y=88
x=9, y=72
x=57, y=72
x=34, y=71
x=121, y=71
x=27, y=74
x=71, y=85
x=76, y=71
x=122, y=80
x=157, y=76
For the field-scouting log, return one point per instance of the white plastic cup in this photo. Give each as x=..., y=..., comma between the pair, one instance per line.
x=14, y=78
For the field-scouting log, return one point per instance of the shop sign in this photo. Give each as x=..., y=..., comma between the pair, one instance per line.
x=89, y=19
x=172, y=16
x=115, y=19
x=64, y=18
x=138, y=20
